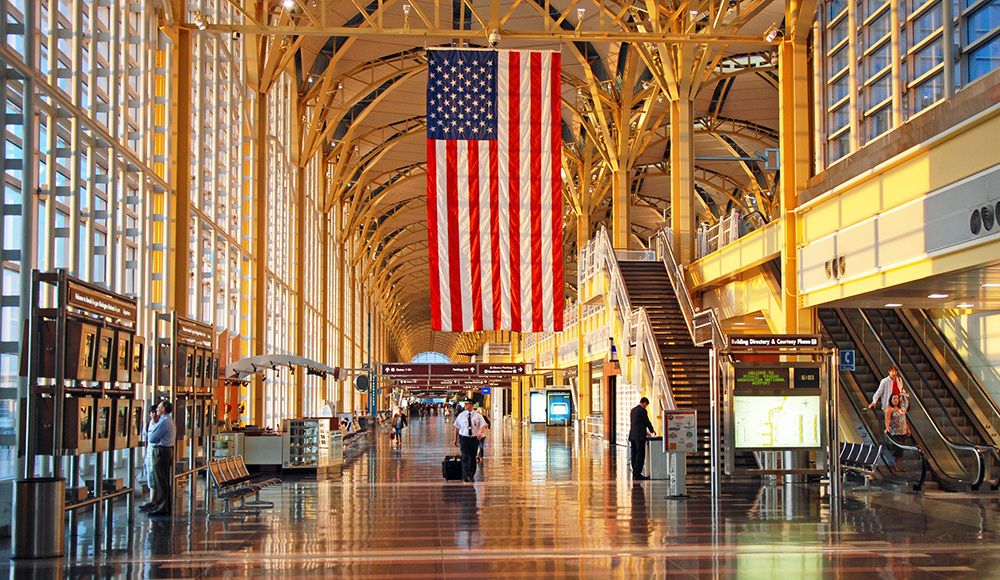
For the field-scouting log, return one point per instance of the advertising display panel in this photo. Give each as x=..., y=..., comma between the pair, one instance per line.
x=538, y=408
x=560, y=408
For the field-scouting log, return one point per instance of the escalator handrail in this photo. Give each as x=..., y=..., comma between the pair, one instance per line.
x=923, y=459
x=988, y=401
x=925, y=322
x=980, y=460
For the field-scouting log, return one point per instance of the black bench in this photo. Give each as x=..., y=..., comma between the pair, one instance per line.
x=233, y=481
x=860, y=458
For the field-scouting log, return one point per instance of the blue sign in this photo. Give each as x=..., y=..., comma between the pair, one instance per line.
x=847, y=360
x=485, y=390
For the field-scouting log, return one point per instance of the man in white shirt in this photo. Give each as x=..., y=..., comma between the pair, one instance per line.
x=891, y=385
x=469, y=428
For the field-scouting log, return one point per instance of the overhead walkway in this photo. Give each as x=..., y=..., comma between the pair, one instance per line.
x=550, y=504
x=952, y=419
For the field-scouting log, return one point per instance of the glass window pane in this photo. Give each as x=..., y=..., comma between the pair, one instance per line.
x=879, y=90
x=871, y=7
x=835, y=7
x=839, y=118
x=879, y=123
x=926, y=24
x=879, y=60
x=927, y=59
x=982, y=21
x=927, y=93
x=838, y=61
x=838, y=32
x=840, y=146
x=984, y=59
x=839, y=89
x=878, y=29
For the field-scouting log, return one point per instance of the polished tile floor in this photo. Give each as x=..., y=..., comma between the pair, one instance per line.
x=546, y=505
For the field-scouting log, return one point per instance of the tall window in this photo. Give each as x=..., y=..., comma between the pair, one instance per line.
x=864, y=97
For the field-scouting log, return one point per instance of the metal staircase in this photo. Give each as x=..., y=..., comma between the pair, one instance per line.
x=685, y=365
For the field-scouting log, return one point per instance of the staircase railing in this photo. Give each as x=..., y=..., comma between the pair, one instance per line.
x=703, y=325
x=634, y=322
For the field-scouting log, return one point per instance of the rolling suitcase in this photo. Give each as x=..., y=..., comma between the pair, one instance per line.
x=451, y=468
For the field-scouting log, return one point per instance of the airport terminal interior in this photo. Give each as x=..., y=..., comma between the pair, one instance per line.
x=767, y=207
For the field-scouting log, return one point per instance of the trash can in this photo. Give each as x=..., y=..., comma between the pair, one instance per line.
x=656, y=458
x=39, y=528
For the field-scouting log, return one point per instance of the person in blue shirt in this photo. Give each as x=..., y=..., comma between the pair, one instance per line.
x=162, y=437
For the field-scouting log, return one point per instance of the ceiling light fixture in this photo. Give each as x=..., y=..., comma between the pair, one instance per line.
x=964, y=305
x=759, y=318
x=288, y=4
x=937, y=296
x=694, y=13
x=580, y=13
x=893, y=305
x=991, y=285
x=739, y=324
x=199, y=20
x=406, y=9
x=771, y=33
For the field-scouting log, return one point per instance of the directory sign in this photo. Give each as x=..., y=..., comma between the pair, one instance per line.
x=777, y=421
x=680, y=431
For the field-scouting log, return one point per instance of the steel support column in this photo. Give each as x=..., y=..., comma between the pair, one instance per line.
x=584, y=409
x=682, y=209
x=793, y=109
x=180, y=173
x=259, y=253
x=298, y=402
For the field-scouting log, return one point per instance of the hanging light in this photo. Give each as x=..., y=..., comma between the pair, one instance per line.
x=288, y=4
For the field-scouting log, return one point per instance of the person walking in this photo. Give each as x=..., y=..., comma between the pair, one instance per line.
x=640, y=426
x=162, y=437
x=896, y=425
x=482, y=441
x=891, y=385
x=398, y=422
x=469, y=427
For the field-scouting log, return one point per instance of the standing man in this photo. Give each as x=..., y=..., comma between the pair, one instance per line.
x=469, y=426
x=162, y=438
x=891, y=385
x=640, y=425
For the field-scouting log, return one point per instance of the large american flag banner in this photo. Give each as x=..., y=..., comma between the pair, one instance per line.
x=494, y=190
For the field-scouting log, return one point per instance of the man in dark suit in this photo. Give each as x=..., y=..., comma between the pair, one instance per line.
x=640, y=425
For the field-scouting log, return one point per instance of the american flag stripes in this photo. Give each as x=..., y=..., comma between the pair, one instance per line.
x=494, y=190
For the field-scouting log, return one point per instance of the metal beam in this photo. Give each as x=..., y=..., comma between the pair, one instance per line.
x=555, y=35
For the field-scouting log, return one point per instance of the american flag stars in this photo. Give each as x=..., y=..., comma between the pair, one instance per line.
x=462, y=96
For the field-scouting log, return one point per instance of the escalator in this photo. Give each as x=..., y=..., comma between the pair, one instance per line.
x=857, y=389
x=955, y=435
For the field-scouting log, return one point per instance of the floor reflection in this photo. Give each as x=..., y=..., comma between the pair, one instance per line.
x=548, y=504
